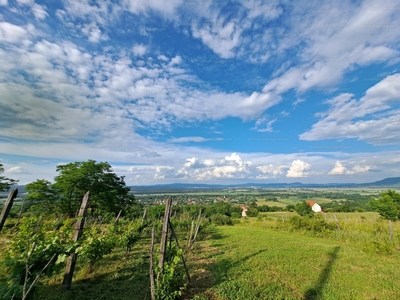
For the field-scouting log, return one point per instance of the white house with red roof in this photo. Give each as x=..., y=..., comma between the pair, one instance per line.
x=314, y=206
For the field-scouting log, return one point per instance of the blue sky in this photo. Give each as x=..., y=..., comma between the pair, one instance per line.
x=201, y=91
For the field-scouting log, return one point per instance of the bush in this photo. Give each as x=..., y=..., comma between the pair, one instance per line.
x=311, y=224
x=252, y=212
x=236, y=215
x=219, y=219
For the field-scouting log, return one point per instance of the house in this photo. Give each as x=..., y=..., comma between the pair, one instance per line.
x=244, y=209
x=314, y=206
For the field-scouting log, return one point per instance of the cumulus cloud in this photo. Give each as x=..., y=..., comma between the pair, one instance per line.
x=298, y=169
x=274, y=170
x=338, y=169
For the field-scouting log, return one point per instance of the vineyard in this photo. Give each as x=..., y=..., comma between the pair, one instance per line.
x=39, y=253
x=201, y=252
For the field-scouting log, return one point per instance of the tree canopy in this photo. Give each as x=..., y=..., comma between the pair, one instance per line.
x=387, y=205
x=108, y=192
x=5, y=182
x=303, y=209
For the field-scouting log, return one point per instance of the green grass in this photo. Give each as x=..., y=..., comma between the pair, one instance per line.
x=252, y=262
x=270, y=203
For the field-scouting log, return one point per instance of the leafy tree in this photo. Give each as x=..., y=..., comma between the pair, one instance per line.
x=303, y=209
x=108, y=192
x=43, y=196
x=252, y=212
x=5, y=182
x=388, y=205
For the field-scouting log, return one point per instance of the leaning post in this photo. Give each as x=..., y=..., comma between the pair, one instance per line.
x=7, y=207
x=78, y=230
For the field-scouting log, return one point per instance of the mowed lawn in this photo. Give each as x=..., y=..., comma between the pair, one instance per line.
x=252, y=262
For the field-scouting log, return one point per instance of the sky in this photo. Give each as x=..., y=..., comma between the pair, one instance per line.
x=219, y=92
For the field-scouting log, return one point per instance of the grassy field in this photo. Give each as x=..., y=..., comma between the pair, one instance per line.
x=270, y=203
x=252, y=262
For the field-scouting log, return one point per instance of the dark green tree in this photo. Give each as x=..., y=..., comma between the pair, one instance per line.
x=303, y=209
x=5, y=182
x=42, y=196
x=387, y=205
x=108, y=192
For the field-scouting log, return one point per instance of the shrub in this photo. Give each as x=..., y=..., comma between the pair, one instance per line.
x=219, y=219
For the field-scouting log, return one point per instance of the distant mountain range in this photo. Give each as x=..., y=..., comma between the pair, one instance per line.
x=387, y=182
x=178, y=187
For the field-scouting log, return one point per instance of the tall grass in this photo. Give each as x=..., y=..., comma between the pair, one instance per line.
x=365, y=229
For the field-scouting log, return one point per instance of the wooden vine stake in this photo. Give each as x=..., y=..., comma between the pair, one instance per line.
x=7, y=207
x=164, y=235
x=69, y=270
x=191, y=241
x=152, y=283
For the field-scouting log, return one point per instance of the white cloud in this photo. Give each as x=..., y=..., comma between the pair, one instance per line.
x=3, y=2
x=166, y=8
x=12, y=33
x=298, y=169
x=338, y=169
x=196, y=139
x=345, y=118
x=16, y=169
x=264, y=125
x=93, y=32
x=39, y=11
x=139, y=50
x=276, y=171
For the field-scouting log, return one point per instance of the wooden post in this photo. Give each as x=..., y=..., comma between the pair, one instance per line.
x=7, y=207
x=152, y=283
x=69, y=270
x=164, y=234
x=189, y=241
x=196, y=231
x=337, y=221
x=117, y=218
x=144, y=215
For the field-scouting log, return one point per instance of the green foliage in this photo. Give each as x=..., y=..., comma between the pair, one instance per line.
x=235, y=215
x=219, y=219
x=388, y=205
x=222, y=208
x=128, y=233
x=108, y=192
x=303, y=209
x=252, y=212
x=378, y=247
x=94, y=245
x=42, y=197
x=310, y=224
x=5, y=182
x=34, y=246
x=169, y=284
